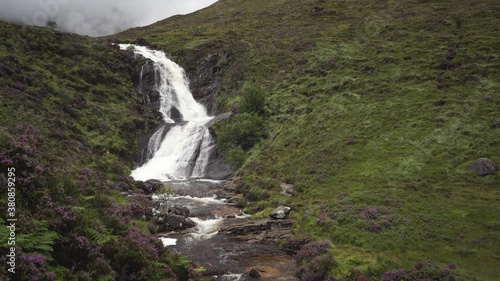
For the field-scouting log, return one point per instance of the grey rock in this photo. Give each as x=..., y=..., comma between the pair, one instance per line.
x=483, y=167
x=286, y=189
x=180, y=210
x=281, y=212
x=149, y=186
x=174, y=222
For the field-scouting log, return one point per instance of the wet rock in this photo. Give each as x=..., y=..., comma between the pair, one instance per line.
x=180, y=211
x=281, y=212
x=144, y=153
x=483, y=167
x=205, y=79
x=149, y=186
x=145, y=83
x=254, y=273
x=174, y=222
x=263, y=273
x=175, y=114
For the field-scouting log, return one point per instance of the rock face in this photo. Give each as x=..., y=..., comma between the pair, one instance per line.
x=150, y=186
x=281, y=212
x=146, y=85
x=483, y=167
x=205, y=79
x=217, y=169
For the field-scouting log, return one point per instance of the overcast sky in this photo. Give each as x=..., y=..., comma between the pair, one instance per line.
x=96, y=17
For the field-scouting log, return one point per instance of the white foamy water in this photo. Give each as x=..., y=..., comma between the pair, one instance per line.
x=168, y=241
x=206, y=229
x=185, y=150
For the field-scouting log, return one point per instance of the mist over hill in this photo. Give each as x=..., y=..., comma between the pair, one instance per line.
x=95, y=18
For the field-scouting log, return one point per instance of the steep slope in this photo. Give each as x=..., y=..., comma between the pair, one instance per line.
x=69, y=123
x=373, y=106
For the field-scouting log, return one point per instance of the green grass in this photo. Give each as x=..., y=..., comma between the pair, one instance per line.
x=384, y=100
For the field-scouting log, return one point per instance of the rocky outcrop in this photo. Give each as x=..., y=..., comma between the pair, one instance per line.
x=258, y=231
x=483, y=167
x=281, y=212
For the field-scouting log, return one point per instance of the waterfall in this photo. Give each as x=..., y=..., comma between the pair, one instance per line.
x=185, y=149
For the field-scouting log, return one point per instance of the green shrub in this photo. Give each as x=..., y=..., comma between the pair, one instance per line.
x=253, y=99
x=241, y=131
x=236, y=157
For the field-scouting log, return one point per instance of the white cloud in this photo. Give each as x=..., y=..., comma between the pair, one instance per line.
x=96, y=17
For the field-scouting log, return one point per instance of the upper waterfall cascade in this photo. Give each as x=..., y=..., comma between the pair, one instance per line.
x=185, y=149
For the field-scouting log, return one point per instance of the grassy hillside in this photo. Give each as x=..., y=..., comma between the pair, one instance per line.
x=374, y=109
x=69, y=123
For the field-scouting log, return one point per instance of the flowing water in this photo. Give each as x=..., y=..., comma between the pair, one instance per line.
x=180, y=157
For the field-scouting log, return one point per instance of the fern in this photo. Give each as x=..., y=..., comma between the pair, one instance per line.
x=40, y=241
x=103, y=237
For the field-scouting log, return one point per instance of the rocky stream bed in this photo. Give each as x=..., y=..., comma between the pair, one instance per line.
x=217, y=236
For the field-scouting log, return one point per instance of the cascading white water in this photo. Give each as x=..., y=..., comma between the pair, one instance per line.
x=185, y=149
x=155, y=142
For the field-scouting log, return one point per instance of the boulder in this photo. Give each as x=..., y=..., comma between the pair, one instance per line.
x=174, y=222
x=281, y=212
x=149, y=186
x=483, y=167
x=180, y=211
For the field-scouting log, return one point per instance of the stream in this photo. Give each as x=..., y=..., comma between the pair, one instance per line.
x=206, y=247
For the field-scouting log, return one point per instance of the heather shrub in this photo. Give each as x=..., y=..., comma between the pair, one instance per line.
x=295, y=244
x=32, y=267
x=317, y=269
x=21, y=150
x=372, y=219
x=422, y=271
x=311, y=250
x=133, y=256
x=61, y=218
x=357, y=275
